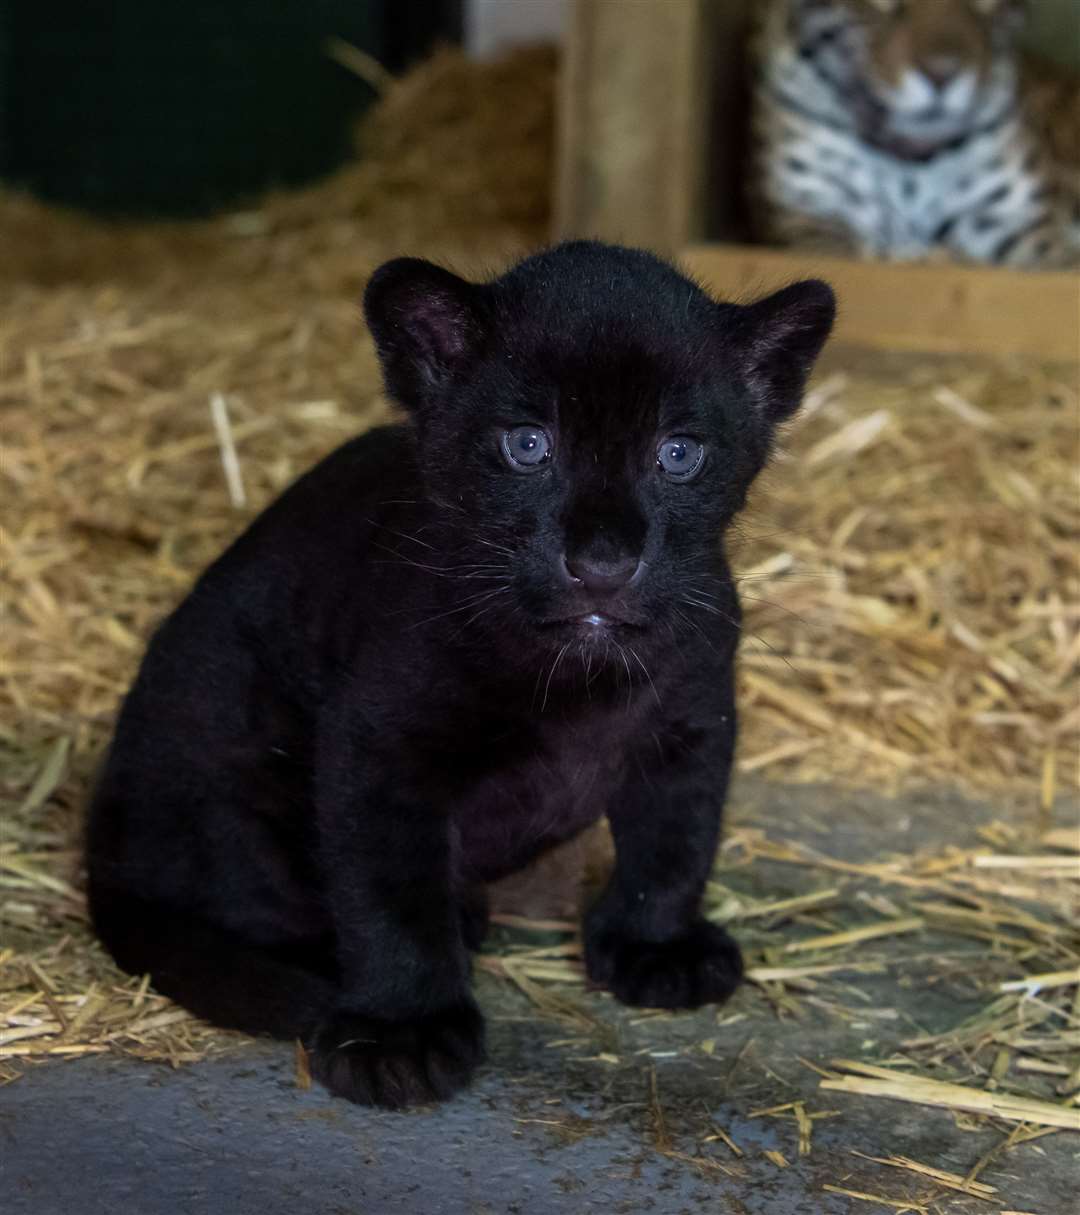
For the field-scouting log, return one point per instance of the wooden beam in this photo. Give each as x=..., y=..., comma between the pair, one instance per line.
x=632, y=121
x=938, y=308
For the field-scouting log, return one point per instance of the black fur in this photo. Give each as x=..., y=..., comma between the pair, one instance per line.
x=391, y=690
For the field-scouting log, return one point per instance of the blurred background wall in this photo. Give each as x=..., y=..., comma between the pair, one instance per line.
x=183, y=107
x=490, y=24
x=1054, y=30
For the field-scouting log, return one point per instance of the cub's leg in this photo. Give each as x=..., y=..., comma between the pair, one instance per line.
x=475, y=911
x=645, y=938
x=404, y=1028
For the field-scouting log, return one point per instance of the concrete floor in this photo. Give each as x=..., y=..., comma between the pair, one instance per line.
x=552, y=1129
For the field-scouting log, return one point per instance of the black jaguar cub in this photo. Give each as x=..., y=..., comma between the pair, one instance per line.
x=451, y=645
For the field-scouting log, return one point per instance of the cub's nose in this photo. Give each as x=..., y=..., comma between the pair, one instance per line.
x=601, y=577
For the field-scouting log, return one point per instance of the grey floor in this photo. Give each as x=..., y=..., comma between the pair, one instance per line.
x=549, y=1127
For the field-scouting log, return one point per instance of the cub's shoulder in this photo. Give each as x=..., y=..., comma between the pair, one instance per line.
x=326, y=516
x=350, y=483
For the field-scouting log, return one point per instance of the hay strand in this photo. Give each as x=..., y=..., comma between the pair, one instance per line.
x=923, y=1091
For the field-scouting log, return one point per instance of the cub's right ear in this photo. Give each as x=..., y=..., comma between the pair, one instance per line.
x=428, y=326
x=782, y=336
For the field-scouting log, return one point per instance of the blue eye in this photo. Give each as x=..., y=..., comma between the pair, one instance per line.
x=680, y=456
x=526, y=447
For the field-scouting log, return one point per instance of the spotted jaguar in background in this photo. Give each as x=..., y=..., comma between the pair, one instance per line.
x=897, y=130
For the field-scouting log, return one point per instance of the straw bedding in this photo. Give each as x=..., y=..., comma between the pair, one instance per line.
x=909, y=566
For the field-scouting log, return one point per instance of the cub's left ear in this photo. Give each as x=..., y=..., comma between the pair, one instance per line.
x=428, y=326
x=781, y=337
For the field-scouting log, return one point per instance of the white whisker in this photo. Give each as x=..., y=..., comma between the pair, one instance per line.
x=634, y=654
x=551, y=674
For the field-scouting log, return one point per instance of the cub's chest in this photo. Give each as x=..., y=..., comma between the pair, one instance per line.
x=540, y=789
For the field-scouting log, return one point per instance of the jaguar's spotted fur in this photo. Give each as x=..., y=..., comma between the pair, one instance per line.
x=897, y=130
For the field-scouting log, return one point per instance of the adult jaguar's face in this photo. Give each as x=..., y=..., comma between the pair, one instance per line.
x=933, y=58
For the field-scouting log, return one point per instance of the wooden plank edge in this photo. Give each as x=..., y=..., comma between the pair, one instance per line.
x=941, y=309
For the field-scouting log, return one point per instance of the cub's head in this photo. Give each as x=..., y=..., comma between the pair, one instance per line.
x=921, y=60
x=588, y=424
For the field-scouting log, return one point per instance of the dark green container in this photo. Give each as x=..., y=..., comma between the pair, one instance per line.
x=152, y=107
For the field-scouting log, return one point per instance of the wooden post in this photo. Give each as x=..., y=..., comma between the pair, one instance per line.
x=633, y=115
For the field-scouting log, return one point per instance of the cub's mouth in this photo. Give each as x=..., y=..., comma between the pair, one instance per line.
x=595, y=623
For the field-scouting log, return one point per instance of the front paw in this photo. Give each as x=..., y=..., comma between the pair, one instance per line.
x=704, y=966
x=399, y=1063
